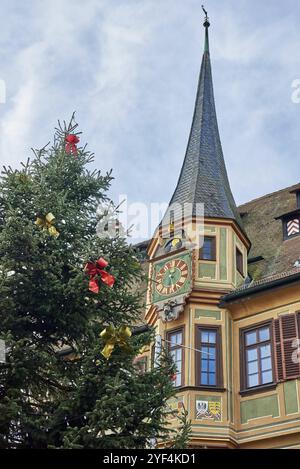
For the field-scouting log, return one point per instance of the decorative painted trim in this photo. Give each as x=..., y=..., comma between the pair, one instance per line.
x=206, y=313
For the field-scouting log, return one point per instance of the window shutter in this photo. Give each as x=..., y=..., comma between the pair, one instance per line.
x=278, y=350
x=286, y=331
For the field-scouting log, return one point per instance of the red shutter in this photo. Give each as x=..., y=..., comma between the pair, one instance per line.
x=286, y=331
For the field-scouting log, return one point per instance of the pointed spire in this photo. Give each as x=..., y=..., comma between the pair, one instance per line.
x=203, y=177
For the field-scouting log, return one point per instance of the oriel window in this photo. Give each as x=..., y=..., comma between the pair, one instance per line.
x=175, y=346
x=208, y=357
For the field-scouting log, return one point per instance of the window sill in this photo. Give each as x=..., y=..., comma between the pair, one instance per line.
x=202, y=388
x=258, y=389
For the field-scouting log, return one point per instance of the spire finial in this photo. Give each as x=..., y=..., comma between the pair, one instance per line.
x=206, y=23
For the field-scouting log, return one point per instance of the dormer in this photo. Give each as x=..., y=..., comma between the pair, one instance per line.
x=291, y=220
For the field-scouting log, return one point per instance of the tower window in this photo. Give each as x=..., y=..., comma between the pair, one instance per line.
x=208, y=250
x=239, y=262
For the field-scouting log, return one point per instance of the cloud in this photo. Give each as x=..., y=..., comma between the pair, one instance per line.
x=130, y=69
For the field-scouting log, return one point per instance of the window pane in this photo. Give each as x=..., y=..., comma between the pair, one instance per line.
x=267, y=377
x=208, y=337
x=204, y=336
x=173, y=339
x=264, y=334
x=204, y=353
x=204, y=365
x=179, y=338
x=176, y=355
x=266, y=364
x=265, y=351
x=212, y=337
x=253, y=367
x=212, y=379
x=253, y=380
x=207, y=249
x=251, y=354
x=178, y=366
x=204, y=378
x=251, y=338
x=212, y=353
x=212, y=366
x=177, y=382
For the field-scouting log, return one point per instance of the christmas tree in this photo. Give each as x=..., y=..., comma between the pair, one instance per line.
x=68, y=304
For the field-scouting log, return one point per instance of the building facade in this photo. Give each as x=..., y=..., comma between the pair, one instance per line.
x=228, y=307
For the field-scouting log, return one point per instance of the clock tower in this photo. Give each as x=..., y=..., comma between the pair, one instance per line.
x=195, y=257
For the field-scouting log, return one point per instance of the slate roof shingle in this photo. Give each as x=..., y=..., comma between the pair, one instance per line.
x=266, y=234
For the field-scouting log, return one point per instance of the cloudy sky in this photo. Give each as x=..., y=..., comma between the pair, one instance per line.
x=130, y=68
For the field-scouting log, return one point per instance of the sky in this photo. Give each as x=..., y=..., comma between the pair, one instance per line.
x=129, y=68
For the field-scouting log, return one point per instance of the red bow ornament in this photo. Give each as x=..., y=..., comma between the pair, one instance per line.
x=96, y=271
x=71, y=141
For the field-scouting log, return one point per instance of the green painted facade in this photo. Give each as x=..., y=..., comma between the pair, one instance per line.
x=260, y=407
x=290, y=397
x=223, y=254
x=207, y=270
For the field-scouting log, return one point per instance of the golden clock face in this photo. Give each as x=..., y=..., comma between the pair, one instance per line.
x=171, y=277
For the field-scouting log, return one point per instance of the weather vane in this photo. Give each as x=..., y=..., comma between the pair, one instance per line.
x=206, y=21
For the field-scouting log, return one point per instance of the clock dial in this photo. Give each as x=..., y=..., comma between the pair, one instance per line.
x=171, y=277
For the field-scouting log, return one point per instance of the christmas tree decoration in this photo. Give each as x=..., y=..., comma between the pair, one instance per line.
x=46, y=223
x=71, y=142
x=115, y=337
x=96, y=271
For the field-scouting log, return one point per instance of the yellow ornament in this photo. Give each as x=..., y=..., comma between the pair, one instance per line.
x=175, y=242
x=46, y=223
x=113, y=337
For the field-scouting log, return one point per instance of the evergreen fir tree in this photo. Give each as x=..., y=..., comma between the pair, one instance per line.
x=56, y=388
